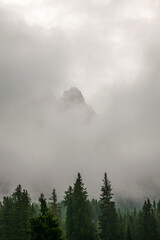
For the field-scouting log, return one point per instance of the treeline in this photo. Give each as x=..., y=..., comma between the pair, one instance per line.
x=76, y=218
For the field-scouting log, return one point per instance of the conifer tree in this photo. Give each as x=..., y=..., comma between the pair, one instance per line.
x=108, y=217
x=68, y=201
x=79, y=220
x=53, y=204
x=7, y=218
x=43, y=205
x=158, y=219
x=128, y=233
x=120, y=225
x=45, y=226
x=22, y=213
x=149, y=222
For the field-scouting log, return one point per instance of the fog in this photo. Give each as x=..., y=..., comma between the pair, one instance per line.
x=108, y=50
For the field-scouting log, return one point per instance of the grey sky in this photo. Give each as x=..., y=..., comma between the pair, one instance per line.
x=110, y=51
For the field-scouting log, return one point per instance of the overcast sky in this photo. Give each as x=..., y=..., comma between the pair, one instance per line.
x=108, y=49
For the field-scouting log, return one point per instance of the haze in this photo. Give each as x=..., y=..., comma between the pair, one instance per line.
x=109, y=50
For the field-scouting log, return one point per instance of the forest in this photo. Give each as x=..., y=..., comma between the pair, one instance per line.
x=76, y=217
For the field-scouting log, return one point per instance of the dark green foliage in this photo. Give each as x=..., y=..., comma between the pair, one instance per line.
x=80, y=218
x=79, y=225
x=108, y=219
x=22, y=212
x=95, y=210
x=68, y=200
x=120, y=225
x=35, y=209
x=62, y=215
x=15, y=214
x=43, y=205
x=45, y=226
x=128, y=235
x=7, y=219
x=54, y=208
x=149, y=222
x=158, y=219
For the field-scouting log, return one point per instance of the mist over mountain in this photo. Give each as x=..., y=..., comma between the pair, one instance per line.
x=73, y=96
x=73, y=102
x=109, y=123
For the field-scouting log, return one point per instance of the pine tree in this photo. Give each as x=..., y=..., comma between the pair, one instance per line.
x=108, y=218
x=128, y=233
x=53, y=204
x=94, y=204
x=79, y=221
x=149, y=222
x=43, y=205
x=121, y=225
x=45, y=226
x=22, y=213
x=158, y=219
x=68, y=201
x=6, y=222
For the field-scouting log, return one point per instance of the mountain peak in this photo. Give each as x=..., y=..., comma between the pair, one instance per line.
x=73, y=95
x=74, y=104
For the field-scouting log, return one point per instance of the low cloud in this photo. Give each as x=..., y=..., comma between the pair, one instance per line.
x=112, y=56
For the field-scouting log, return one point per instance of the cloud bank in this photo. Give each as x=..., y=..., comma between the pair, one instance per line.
x=110, y=51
